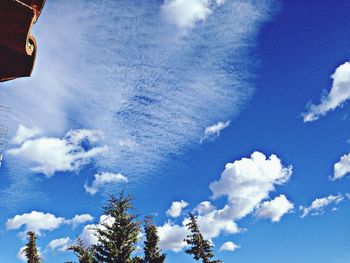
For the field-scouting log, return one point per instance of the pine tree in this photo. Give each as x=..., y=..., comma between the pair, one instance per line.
x=152, y=252
x=30, y=251
x=84, y=254
x=201, y=249
x=118, y=234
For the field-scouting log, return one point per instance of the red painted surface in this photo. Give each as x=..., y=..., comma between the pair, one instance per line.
x=17, y=46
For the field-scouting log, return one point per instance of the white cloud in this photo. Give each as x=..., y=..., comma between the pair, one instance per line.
x=39, y=221
x=211, y=224
x=229, y=246
x=342, y=167
x=275, y=208
x=186, y=13
x=218, y=221
x=248, y=181
x=60, y=155
x=176, y=208
x=79, y=219
x=318, y=206
x=61, y=244
x=24, y=133
x=104, y=179
x=171, y=237
x=35, y=221
x=204, y=207
x=214, y=130
x=88, y=235
x=338, y=95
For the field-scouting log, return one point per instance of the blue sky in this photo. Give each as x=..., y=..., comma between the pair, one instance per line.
x=235, y=110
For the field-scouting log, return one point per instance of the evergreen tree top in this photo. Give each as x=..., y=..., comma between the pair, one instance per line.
x=200, y=248
x=152, y=252
x=84, y=254
x=30, y=251
x=118, y=234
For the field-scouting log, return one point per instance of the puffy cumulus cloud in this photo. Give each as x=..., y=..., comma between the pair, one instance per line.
x=103, y=179
x=318, y=206
x=204, y=207
x=218, y=221
x=24, y=133
x=214, y=130
x=275, y=208
x=171, y=236
x=68, y=154
x=88, y=235
x=79, y=219
x=35, y=221
x=342, y=167
x=248, y=181
x=176, y=208
x=39, y=221
x=212, y=223
x=186, y=13
x=338, y=95
x=229, y=246
x=60, y=244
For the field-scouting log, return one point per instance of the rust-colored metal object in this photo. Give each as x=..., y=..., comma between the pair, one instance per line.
x=17, y=46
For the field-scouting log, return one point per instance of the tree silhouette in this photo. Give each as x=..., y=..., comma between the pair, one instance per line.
x=201, y=249
x=118, y=233
x=30, y=251
x=152, y=252
x=84, y=254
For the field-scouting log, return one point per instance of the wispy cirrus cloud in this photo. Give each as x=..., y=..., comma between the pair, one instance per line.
x=122, y=68
x=213, y=131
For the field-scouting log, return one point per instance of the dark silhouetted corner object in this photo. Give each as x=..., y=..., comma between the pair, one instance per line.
x=17, y=46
